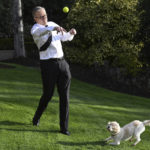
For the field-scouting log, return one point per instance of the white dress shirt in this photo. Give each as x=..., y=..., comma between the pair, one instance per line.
x=40, y=35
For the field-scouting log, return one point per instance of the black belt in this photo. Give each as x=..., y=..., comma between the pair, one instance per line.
x=57, y=59
x=52, y=59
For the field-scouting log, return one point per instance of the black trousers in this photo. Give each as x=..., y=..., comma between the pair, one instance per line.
x=55, y=72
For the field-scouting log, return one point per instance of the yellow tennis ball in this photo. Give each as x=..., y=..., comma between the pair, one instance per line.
x=65, y=9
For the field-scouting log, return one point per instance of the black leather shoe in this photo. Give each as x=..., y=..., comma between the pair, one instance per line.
x=65, y=132
x=36, y=122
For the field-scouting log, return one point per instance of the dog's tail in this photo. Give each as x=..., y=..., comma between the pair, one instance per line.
x=146, y=123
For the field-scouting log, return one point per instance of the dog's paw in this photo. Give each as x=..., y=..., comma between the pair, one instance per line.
x=114, y=144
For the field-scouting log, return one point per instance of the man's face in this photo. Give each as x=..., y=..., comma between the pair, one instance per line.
x=41, y=17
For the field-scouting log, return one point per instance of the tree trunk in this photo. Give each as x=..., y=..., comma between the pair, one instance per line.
x=18, y=29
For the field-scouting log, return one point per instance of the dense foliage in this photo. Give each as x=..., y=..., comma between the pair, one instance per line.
x=144, y=33
x=5, y=17
x=106, y=32
x=109, y=31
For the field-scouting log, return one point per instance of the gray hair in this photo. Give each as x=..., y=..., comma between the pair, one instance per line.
x=37, y=8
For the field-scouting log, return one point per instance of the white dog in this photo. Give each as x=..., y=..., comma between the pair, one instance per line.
x=127, y=132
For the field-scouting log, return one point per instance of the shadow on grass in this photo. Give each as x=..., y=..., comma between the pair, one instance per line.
x=11, y=123
x=30, y=130
x=102, y=143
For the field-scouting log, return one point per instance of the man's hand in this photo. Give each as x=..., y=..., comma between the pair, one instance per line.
x=60, y=29
x=73, y=31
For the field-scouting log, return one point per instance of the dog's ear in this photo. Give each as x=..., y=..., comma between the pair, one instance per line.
x=117, y=123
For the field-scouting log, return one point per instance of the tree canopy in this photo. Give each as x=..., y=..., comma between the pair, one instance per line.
x=107, y=31
x=6, y=17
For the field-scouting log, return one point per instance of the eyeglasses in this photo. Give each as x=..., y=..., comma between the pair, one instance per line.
x=42, y=17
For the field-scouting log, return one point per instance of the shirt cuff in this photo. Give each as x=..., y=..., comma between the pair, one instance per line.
x=50, y=28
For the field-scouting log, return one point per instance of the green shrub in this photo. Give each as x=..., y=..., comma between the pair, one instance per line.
x=6, y=44
x=106, y=32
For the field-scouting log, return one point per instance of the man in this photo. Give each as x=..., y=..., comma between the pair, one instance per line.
x=54, y=68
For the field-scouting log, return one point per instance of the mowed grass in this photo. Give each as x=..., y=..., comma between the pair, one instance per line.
x=91, y=107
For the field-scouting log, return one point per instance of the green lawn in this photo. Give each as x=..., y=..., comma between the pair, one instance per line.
x=91, y=108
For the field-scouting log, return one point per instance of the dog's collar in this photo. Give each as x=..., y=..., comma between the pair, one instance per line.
x=114, y=134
